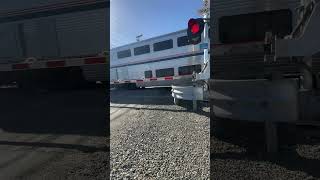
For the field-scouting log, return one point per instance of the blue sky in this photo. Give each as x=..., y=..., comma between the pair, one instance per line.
x=130, y=18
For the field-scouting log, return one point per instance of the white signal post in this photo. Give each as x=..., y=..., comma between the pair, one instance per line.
x=205, y=73
x=205, y=12
x=198, y=90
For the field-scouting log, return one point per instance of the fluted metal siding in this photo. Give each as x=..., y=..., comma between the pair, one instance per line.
x=95, y=72
x=9, y=5
x=72, y=34
x=32, y=40
x=221, y=8
x=247, y=64
x=39, y=37
x=10, y=48
x=82, y=33
x=47, y=34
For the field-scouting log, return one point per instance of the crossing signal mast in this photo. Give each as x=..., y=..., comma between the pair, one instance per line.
x=197, y=26
x=197, y=33
x=138, y=37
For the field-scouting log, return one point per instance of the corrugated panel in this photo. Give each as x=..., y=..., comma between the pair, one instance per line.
x=237, y=66
x=247, y=63
x=82, y=33
x=113, y=74
x=9, y=5
x=37, y=38
x=316, y=63
x=32, y=40
x=72, y=34
x=97, y=72
x=46, y=28
x=250, y=66
x=10, y=48
x=221, y=8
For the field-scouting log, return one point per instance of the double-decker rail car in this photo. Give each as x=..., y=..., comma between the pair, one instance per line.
x=160, y=61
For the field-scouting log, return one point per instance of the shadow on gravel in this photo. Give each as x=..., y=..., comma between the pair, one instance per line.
x=203, y=113
x=289, y=160
x=83, y=148
x=187, y=109
x=151, y=109
x=188, y=106
x=251, y=138
x=152, y=96
x=79, y=112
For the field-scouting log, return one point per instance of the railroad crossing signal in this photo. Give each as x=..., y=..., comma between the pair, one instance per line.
x=195, y=29
x=205, y=9
x=138, y=37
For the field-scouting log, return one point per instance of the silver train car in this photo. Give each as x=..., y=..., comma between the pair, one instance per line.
x=35, y=33
x=160, y=61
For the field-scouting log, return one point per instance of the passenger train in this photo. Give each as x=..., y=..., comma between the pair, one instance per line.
x=160, y=61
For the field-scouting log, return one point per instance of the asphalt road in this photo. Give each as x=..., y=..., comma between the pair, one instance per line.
x=153, y=139
x=53, y=135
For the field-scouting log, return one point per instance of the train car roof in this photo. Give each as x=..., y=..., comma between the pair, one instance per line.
x=147, y=40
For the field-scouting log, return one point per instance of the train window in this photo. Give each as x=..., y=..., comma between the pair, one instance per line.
x=183, y=41
x=124, y=54
x=163, y=45
x=148, y=74
x=165, y=72
x=142, y=50
x=252, y=27
x=187, y=70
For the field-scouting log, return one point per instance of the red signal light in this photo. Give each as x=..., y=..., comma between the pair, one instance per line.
x=195, y=29
x=194, y=26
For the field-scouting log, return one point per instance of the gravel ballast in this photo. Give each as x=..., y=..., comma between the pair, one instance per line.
x=152, y=141
x=243, y=156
